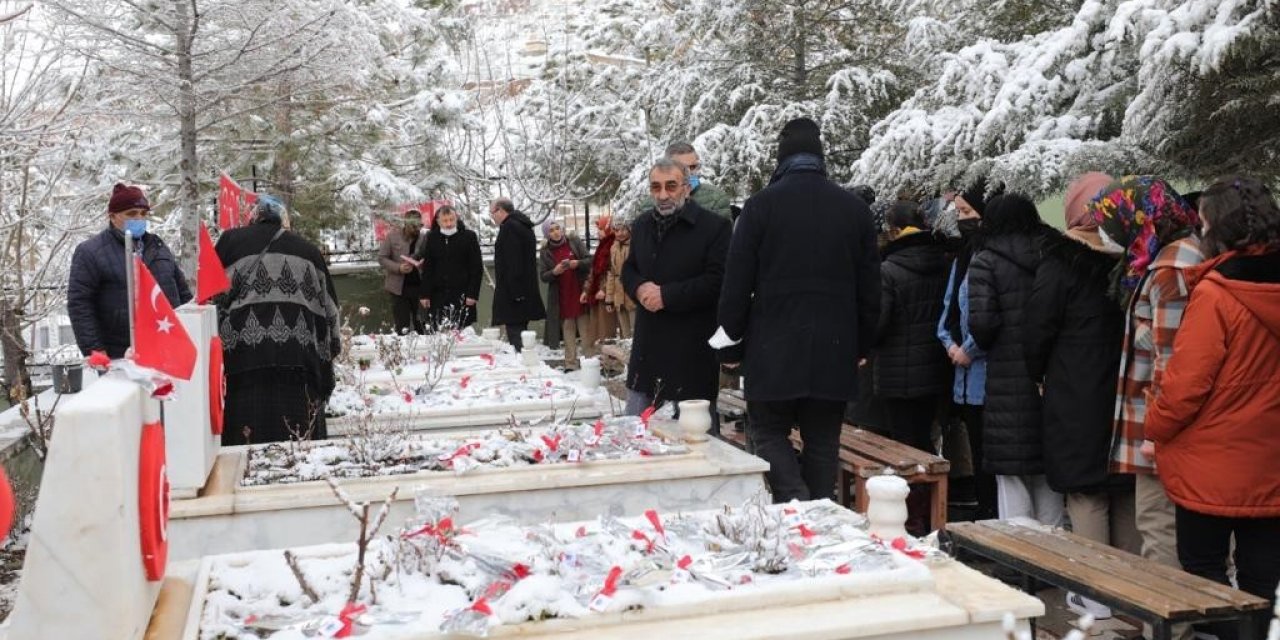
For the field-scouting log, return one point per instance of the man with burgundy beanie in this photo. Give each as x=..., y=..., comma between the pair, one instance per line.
x=798, y=310
x=97, y=298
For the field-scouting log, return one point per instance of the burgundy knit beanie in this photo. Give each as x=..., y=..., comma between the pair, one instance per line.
x=124, y=198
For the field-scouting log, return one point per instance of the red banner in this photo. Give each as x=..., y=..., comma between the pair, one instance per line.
x=234, y=203
x=381, y=223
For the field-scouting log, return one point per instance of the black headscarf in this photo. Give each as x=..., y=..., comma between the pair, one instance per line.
x=976, y=197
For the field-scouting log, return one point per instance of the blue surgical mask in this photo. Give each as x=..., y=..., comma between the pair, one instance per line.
x=694, y=181
x=135, y=227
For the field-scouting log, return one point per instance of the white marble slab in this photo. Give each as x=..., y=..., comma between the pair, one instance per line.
x=230, y=518
x=190, y=445
x=83, y=576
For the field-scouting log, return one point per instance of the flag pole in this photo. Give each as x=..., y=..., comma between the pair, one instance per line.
x=130, y=280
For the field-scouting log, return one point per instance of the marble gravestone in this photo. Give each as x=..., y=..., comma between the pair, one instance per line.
x=84, y=576
x=190, y=444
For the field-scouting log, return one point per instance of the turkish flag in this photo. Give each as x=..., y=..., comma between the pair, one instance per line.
x=160, y=341
x=228, y=203
x=211, y=277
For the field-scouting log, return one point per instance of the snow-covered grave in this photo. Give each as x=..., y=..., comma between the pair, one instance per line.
x=273, y=496
x=469, y=400
x=467, y=343
x=803, y=570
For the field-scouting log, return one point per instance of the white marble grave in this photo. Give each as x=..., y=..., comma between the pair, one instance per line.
x=229, y=518
x=922, y=601
x=84, y=578
x=190, y=444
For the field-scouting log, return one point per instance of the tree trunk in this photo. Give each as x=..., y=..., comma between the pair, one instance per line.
x=13, y=347
x=189, y=164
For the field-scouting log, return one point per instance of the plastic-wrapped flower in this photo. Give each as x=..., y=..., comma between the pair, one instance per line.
x=98, y=360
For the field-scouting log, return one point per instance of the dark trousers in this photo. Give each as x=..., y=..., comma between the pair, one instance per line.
x=513, y=334
x=984, y=483
x=911, y=421
x=1204, y=541
x=813, y=474
x=404, y=312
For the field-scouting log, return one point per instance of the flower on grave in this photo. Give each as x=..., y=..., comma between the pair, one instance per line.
x=98, y=360
x=364, y=311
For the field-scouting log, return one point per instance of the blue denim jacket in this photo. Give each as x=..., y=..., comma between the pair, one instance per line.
x=970, y=383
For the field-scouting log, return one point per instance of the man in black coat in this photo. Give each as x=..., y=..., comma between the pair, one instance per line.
x=516, y=300
x=674, y=272
x=802, y=294
x=452, y=270
x=97, y=300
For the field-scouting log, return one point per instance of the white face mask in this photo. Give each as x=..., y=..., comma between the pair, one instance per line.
x=1109, y=245
x=448, y=232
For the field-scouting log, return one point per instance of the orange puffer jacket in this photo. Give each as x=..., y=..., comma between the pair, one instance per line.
x=1216, y=417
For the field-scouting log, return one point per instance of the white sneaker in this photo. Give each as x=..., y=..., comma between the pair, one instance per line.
x=1082, y=606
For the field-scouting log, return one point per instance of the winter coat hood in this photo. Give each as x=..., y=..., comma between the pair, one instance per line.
x=1091, y=264
x=1252, y=280
x=519, y=216
x=1022, y=249
x=920, y=253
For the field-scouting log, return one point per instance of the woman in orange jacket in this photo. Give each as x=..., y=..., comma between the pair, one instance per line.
x=1215, y=420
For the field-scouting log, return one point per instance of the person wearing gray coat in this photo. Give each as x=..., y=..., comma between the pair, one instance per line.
x=564, y=264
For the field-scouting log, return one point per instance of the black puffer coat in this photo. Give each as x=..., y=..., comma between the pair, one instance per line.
x=96, y=297
x=910, y=361
x=670, y=357
x=1072, y=343
x=516, y=298
x=1001, y=276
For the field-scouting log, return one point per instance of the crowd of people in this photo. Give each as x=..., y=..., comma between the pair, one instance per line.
x=1119, y=376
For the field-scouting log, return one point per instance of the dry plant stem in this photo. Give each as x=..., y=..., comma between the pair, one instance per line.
x=292, y=561
x=42, y=426
x=360, y=511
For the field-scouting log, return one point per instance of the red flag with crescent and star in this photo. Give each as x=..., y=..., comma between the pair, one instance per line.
x=161, y=342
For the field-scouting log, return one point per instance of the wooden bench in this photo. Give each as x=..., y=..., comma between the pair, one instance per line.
x=1146, y=590
x=864, y=455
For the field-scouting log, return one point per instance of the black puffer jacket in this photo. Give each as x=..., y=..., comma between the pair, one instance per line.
x=1072, y=343
x=96, y=298
x=1001, y=276
x=910, y=361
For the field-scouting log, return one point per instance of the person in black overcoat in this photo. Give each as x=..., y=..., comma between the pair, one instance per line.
x=1001, y=277
x=1074, y=335
x=516, y=299
x=912, y=371
x=674, y=272
x=802, y=294
x=451, y=270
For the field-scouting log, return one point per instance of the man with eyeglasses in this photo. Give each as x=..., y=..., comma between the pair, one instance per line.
x=97, y=294
x=707, y=195
x=673, y=272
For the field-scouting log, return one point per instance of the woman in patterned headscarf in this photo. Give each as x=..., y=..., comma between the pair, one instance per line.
x=279, y=329
x=1143, y=219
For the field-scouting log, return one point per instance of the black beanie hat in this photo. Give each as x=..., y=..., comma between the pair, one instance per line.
x=977, y=193
x=801, y=135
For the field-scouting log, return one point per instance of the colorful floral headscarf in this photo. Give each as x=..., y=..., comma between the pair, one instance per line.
x=1141, y=214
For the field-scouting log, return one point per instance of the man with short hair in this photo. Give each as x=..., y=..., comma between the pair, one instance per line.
x=707, y=195
x=802, y=295
x=96, y=292
x=673, y=271
x=403, y=277
x=516, y=299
